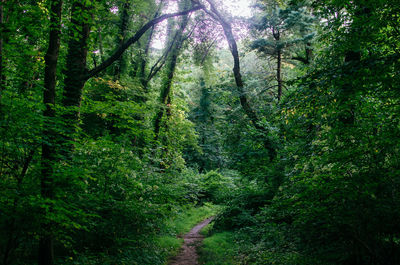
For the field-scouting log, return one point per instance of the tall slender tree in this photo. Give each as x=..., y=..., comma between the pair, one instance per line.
x=283, y=30
x=244, y=101
x=176, y=41
x=46, y=251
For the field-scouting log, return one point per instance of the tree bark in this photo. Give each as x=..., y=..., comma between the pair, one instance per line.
x=346, y=116
x=75, y=73
x=278, y=74
x=166, y=90
x=2, y=75
x=101, y=50
x=143, y=61
x=144, y=58
x=120, y=50
x=123, y=28
x=46, y=252
x=238, y=77
x=160, y=62
x=165, y=95
x=277, y=36
x=352, y=59
x=1, y=47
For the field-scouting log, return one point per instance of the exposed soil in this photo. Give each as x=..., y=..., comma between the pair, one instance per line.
x=188, y=254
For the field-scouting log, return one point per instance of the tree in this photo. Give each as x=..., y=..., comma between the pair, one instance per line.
x=46, y=254
x=283, y=29
x=244, y=102
x=175, y=42
x=76, y=76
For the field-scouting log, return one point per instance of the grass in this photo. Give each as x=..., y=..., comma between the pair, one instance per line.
x=184, y=221
x=169, y=245
x=206, y=231
x=190, y=217
x=218, y=249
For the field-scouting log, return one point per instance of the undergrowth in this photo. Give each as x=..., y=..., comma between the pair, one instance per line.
x=218, y=249
x=184, y=221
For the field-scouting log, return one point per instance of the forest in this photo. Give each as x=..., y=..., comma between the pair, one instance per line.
x=274, y=124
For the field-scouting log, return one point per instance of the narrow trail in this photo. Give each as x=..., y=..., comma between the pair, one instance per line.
x=188, y=254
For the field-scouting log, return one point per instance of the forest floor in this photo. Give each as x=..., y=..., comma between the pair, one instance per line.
x=192, y=240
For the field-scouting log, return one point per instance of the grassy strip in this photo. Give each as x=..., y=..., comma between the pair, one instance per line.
x=182, y=224
x=190, y=217
x=218, y=249
x=169, y=245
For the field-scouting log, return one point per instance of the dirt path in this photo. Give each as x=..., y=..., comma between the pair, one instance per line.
x=193, y=239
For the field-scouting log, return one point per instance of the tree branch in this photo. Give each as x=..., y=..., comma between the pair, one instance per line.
x=117, y=54
x=156, y=67
x=208, y=50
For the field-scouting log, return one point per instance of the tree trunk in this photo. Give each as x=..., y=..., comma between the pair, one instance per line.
x=277, y=36
x=166, y=89
x=75, y=73
x=165, y=97
x=238, y=77
x=347, y=92
x=278, y=74
x=101, y=50
x=46, y=252
x=2, y=75
x=120, y=50
x=123, y=28
x=1, y=47
x=352, y=59
x=143, y=60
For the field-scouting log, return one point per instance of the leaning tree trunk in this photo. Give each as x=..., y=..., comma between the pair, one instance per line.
x=251, y=114
x=121, y=49
x=144, y=59
x=76, y=73
x=165, y=95
x=141, y=60
x=46, y=252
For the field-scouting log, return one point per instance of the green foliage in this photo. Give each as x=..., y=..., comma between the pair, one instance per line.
x=189, y=216
x=288, y=29
x=217, y=188
x=338, y=154
x=110, y=108
x=118, y=196
x=240, y=211
x=218, y=250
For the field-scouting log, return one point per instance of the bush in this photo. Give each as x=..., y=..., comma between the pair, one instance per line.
x=217, y=188
x=240, y=211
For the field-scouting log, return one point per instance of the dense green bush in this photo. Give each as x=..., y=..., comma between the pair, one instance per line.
x=217, y=187
x=241, y=209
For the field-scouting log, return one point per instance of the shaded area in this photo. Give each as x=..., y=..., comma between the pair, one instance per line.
x=188, y=254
